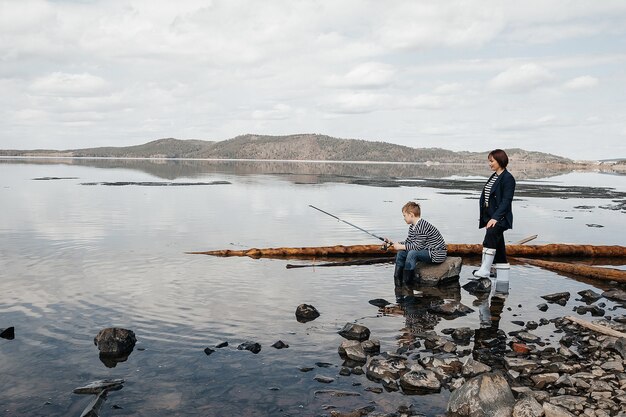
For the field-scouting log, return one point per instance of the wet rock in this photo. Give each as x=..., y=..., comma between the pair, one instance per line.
x=478, y=286
x=359, y=412
x=371, y=347
x=96, y=387
x=435, y=274
x=306, y=313
x=589, y=296
x=8, y=333
x=379, y=302
x=352, y=331
x=379, y=369
x=336, y=393
x=114, y=341
x=542, y=307
x=616, y=294
x=253, y=347
x=451, y=308
x=523, y=366
x=352, y=349
x=221, y=345
x=560, y=298
x=594, y=310
x=448, y=363
x=551, y=410
x=594, y=225
x=462, y=334
x=420, y=381
x=527, y=406
x=531, y=325
x=487, y=395
x=306, y=369
x=375, y=390
x=472, y=367
x=280, y=345
x=324, y=379
x=528, y=337
x=208, y=351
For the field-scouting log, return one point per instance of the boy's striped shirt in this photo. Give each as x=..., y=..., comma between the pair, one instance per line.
x=424, y=235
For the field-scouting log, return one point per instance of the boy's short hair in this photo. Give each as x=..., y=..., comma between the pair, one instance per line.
x=412, y=207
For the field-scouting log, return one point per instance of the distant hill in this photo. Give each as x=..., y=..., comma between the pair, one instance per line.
x=292, y=147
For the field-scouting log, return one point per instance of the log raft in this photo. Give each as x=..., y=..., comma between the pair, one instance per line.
x=526, y=251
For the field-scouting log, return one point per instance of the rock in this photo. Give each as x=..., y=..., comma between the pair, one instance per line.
x=451, y=308
x=324, y=379
x=8, y=333
x=462, y=334
x=96, y=387
x=523, y=366
x=448, y=363
x=569, y=402
x=208, y=351
x=520, y=348
x=558, y=298
x=434, y=274
x=531, y=325
x=379, y=302
x=595, y=310
x=541, y=380
x=352, y=331
x=251, y=346
x=613, y=366
x=359, y=412
x=527, y=406
x=487, y=395
x=542, y=307
x=306, y=313
x=528, y=337
x=379, y=369
x=114, y=341
x=473, y=367
x=518, y=322
x=280, y=345
x=420, y=381
x=352, y=349
x=371, y=347
x=620, y=346
x=615, y=294
x=478, y=286
x=551, y=410
x=589, y=295
x=221, y=345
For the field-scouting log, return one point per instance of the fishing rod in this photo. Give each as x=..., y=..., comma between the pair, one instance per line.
x=386, y=242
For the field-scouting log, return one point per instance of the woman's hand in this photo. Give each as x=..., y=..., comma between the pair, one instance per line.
x=491, y=223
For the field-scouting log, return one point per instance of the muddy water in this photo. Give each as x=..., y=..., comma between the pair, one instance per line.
x=103, y=244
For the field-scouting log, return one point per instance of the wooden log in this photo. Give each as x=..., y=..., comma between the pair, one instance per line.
x=609, y=274
x=551, y=250
x=596, y=327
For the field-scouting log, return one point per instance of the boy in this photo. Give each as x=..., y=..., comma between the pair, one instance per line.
x=424, y=243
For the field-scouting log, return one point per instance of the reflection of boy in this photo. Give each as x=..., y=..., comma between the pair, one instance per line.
x=424, y=243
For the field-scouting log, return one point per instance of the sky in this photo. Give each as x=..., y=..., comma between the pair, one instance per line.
x=543, y=75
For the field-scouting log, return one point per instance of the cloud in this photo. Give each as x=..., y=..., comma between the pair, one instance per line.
x=277, y=112
x=63, y=84
x=367, y=75
x=359, y=102
x=543, y=122
x=521, y=78
x=581, y=83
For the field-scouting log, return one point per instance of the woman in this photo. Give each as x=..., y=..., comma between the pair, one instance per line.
x=496, y=215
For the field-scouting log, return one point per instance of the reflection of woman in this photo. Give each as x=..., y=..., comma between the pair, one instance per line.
x=496, y=215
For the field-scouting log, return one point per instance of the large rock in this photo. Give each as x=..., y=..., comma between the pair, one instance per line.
x=527, y=406
x=434, y=274
x=552, y=410
x=379, y=369
x=616, y=294
x=114, y=341
x=352, y=349
x=353, y=331
x=487, y=395
x=450, y=308
x=420, y=381
x=306, y=312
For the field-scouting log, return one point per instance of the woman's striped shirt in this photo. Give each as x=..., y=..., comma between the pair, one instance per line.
x=423, y=235
x=487, y=189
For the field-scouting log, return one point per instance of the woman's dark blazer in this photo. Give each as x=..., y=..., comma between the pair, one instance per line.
x=500, y=199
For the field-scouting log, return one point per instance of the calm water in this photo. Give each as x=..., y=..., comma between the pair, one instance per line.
x=76, y=258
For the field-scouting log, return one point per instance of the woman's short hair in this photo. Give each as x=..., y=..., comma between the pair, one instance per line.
x=412, y=207
x=500, y=156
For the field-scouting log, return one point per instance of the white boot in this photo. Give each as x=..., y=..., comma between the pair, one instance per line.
x=485, y=267
x=502, y=282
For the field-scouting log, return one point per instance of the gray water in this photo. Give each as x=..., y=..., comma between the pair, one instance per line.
x=77, y=256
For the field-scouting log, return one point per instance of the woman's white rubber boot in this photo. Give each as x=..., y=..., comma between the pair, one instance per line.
x=485, y=267
x=502, y=282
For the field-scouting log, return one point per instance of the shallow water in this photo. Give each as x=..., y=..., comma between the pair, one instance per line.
x=75, y=258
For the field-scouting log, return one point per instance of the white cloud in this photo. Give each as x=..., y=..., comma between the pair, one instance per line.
x=521, y=78
x=62, y=84
x=581, y=83
x=277, y=112
x=358, y=103
x=367, y=75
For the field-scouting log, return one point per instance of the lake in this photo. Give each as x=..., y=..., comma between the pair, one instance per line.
x=88, y=244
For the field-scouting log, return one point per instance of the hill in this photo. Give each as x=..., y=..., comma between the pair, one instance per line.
x=292, y=147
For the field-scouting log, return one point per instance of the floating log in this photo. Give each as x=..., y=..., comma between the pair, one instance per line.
x=596, y=327
x=551, y=250
x=609, y=274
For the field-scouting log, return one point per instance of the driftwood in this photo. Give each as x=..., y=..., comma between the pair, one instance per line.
x=526, y=240
x=552, y=250
x=609, y=274
x=346, y=263
x=596, y=327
